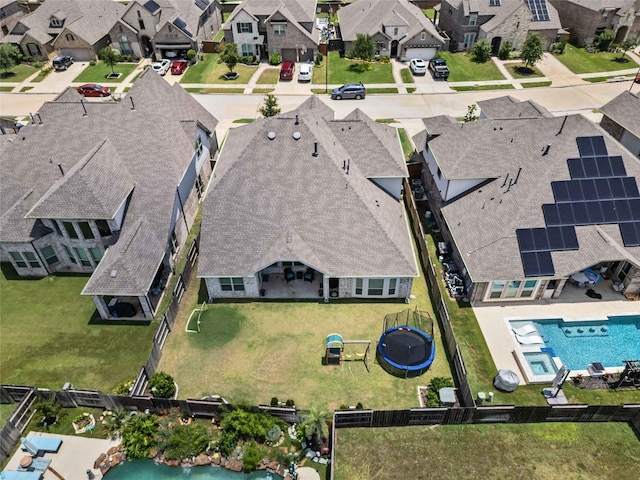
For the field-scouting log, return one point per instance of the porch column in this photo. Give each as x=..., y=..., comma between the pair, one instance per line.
x=325, y=288
x=146, y=307
x=101, y=306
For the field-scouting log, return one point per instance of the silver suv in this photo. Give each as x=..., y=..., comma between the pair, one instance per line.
x=349, y=90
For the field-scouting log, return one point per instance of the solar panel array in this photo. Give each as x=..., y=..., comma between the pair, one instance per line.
x=599, y=192
x=178, y=22
x=539, y=10
x=151, y=6
x=202, y=4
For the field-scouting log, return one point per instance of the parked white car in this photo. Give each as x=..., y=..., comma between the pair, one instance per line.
x=162, y=66
x=417, y=66
x=304, y=72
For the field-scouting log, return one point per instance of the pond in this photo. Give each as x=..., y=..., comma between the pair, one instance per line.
x=149, y=470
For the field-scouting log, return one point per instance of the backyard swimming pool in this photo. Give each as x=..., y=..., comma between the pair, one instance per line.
x=583, y=342
x=149, y=470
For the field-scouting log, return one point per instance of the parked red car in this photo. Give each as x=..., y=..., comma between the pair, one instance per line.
x=286, y=71
x=93, y=90
x=178, y=67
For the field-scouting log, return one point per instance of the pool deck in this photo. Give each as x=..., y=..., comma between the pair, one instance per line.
x=572, y=305
x=76, y=455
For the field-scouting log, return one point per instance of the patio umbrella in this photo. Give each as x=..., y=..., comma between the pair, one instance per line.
x=506, y=380
x=29, y=447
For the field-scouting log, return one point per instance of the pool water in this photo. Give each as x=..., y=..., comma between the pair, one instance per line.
x=149, y=470
x=540, y=363
x=608, y=342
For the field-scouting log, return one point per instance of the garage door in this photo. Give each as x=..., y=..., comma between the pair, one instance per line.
x=423, y=53
x=289, y=55
x=78, y=54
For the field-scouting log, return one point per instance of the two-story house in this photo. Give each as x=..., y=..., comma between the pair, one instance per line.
x=10, y=12
x=398, y=27
x=262, y=27
x=498, y=21
x=586, y=19
x=168, y=28
x=305, y=206
x=84, y=189
x=528, y=202
x=621, y=118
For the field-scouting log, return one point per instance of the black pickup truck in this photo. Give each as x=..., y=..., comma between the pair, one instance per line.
x=438, y=68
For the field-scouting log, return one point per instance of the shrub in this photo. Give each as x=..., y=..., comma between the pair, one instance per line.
x=359, y=406
x=162, y=385
x=27, y=58
x=441, y=382
x=603, y=41
x=318, y=60
x=123, y=388
x=248, y=425
x=248, y=60
x=274, y=401
x=481, y=51
x=343, y=407
x=359, y=67
x=37, y=64
x=49, y=409
x=505, y=51
x=558, y=47
x=273, y=435
x=384, y=59
x=226, y=443
x=138, y=436
x=251, y=458
x=290, y=403
x=187, y=441
x=275, y=59
x=92, y=63
x=191, y=54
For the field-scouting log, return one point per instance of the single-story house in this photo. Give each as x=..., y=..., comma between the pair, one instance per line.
x=621, y=118
x=526, y=202
x=85, y=189
x=302, y=205
x=400, y=29
x=510, y=107
x=262, y=27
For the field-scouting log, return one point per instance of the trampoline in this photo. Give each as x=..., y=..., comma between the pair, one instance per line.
x=405, y=351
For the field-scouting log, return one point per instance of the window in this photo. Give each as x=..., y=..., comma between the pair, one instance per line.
x=141, y=23
x=247, y=50
x=624, y=271
x=469, y=38
x=528, y=288
x=376, y=286
x=496, y=289
x=198, y=145
x=138, y=12
x=423, y=36
x=55, y=23
x=56, y=227
x=96, y=254
x=17, y=258
x=31, y=258
x=103, y=228
x=605, y=15
x=232, y=284
x=244, y=28
x=125, y=45
x=473, y=19
x=392, y=286
x=279, y=29
x=5, y=30
x=199, y=186
x=34, y=49
x=49, y=255
x=395, y=30
x=70, y=37
x=174, y=242
x=512, y=289
x=71, y=231
x=85, y=228
x=358, y=286
x=82, y=255
x=69, y=254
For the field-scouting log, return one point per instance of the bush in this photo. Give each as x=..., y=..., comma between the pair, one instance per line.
x=359, y=67
x=290, y=403
x=275, y=59
x=274, y=401
x=162, y=385
x=123, y=388
x=359, y=406
x=191, y=54
x=92, y=63
x=558, y=47
x=187, y=441
x=384, y=59
x=273, y=435
x=318, y=60
x=481, y=51
x=248, y=425
x=48, y=409
x=505, y=51
x=251, y=458
x=249, y=60
x=226, y=443
x=138, y=436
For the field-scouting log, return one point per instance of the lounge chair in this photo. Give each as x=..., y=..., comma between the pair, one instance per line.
x=44, y=444
x=309, y=275
x=24, y=475
x=529, y=339
x=525, y=330
x=289, y=275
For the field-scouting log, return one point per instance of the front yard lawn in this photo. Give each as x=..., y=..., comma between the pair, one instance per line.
x=339, y=72
x=578, y=60
x=208, y=71
x=463, y=69
x=269, y=77
x=18, y=73
x=518, y=70
x=98, y=73
x=588, y=451
x=405, y=73
x=46, y=339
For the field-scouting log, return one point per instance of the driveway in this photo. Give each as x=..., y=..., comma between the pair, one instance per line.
x=56, y=82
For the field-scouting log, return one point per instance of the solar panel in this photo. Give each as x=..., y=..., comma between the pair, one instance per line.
x=604, y=167
x=624, y=210
x=595, y=213
x=630, y=234
x=575, y=191
x=580, y=213
x=570, y=238
x=540, y=240
x=566, y=214
x=202, y=4
x=589, y=191
x=556, y=242
x=618, y=166
x=178, y=22
x=599, y=146
x=525, y=239
x=551, y=215
x=602, y=187
x=585, y=147
x=630, y=187
x=576, y=170
x=494, y=3
x=609, y=211
x=151, y=6
x=560, y=191
x=590, y=168
x=634, y=205
x=538, y=9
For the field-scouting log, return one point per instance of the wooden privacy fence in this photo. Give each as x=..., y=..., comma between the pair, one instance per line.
x=442, y=314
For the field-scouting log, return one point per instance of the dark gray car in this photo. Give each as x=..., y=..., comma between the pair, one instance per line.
x=349, y=90
x=62, y=63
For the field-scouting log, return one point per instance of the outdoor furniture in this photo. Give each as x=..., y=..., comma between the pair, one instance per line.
x=15, y=475
x=308, y=275
x=529, y=339
x=506, y=380
x=289, y=275
x=42, y=444
x=525, y=330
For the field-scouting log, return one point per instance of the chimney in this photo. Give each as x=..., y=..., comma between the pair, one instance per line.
x=315, y=149
x=61, y=170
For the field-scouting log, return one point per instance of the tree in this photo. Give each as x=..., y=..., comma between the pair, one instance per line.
x=625, y=46
x=230, y=56
x=110, y=57
x=9, y=55
x=162, y=385
x=363, y=48
x=316, y=422
x=532, y=50
x=471, y=115
x=270, y=107
x=481, y=51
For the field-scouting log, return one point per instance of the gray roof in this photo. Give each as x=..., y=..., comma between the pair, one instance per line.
x=510, y=107
x=272, y=200
x=89, y=19
x=483, y=222
x=111, y=139
x=499, y=13
x=625, y=111
x=302, y=10
x=597, y=5
x=368, y=17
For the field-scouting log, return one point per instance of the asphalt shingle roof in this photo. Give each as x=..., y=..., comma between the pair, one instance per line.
x=625, y=111
x=302, y=10
x=273, y=200
x=510, y=107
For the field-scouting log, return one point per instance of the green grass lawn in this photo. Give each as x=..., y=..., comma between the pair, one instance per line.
x=6, y=89
x=535, y=84
x=518, y=70
x=580, y=61
x=269, y=76
x=407, y=145
x=262, y=90
x=429, y=13
x=98, y=73
x=571, y=451
x=208, y=70
x=463, y=69
x=405, y=73
x=469, y=88
x=46, y=339
x=605, y=78
x=339, y=72
x=64, y=424
x=18, y=73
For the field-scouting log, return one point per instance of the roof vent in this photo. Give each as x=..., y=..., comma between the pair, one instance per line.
x=114, y=273
x=271, y=135
x=296, y=135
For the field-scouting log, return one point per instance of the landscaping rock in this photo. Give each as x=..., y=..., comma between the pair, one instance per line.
x=234, y=465
x=202, y=459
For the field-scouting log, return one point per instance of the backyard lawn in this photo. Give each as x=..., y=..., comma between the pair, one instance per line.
x=98, y=73
x=18, y=73
x=208, y=70
x=463, y=69
x=46, y=339
x=586, y=451
x=339, y=72
x=578, y=60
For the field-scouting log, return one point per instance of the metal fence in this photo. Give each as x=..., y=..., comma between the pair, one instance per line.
x=442, y=314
